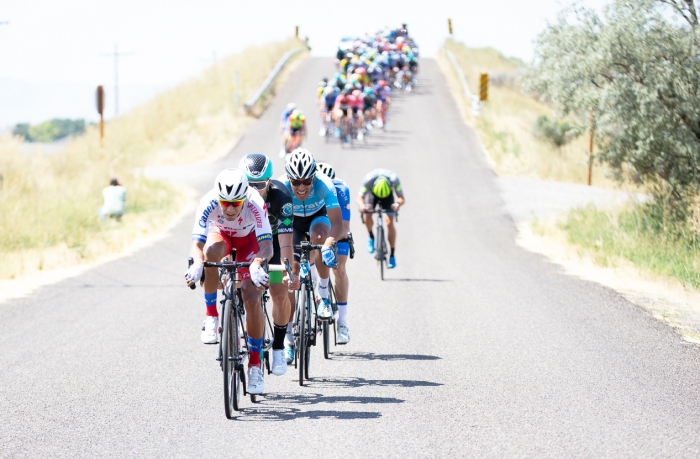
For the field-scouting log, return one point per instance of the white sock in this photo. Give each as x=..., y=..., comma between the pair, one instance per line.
x=314, y=273
x=342, y=313
x=323, y=288
x=290, y=336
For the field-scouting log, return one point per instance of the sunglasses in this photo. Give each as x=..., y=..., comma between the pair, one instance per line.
x=258, y=185
x=236, y=203
x=305, y=182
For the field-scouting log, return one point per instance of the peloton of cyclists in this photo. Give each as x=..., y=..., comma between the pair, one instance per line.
x=233, y=215
x=378, y=189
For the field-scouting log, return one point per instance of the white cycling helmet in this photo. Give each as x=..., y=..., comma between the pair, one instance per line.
x=231, y=184
x=300, y=165
x=326, y=169
x=291, y=106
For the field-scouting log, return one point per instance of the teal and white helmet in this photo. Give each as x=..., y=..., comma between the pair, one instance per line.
x=256, y=167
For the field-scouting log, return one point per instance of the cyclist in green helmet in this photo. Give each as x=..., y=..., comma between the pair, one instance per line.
x=378, y=189
x=278, y=203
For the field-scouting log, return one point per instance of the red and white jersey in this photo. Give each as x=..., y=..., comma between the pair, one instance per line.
x=253, y=217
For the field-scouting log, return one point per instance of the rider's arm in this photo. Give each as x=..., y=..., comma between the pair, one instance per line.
x=197, y=251
x=263, y=232
x=265, y=251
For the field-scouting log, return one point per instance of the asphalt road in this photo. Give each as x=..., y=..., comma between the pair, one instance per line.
x=472, y=347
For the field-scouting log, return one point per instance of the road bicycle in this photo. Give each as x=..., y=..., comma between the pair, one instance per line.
x=307, y=325
x=233, y=348
x=380, y=246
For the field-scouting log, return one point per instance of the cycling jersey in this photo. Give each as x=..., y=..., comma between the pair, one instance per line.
x=322, y=195
x=279, y=208
x=369, y=179
x=356, y=102
x=343, y=192
x=297, y=122
x=253, y=218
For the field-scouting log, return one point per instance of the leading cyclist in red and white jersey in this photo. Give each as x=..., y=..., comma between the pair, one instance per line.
x=233, y=215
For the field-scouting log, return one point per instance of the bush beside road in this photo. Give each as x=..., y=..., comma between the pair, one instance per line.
x=596, y=228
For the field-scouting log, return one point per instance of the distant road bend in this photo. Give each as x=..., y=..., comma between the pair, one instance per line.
x=472, y=347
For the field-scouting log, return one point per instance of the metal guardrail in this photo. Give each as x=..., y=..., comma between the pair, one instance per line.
x=253, y=99
x=476, y=103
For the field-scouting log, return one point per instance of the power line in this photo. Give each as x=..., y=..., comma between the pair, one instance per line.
x=116, y=54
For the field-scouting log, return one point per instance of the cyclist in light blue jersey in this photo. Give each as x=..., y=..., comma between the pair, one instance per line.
x=317, y=218
x=342, y=283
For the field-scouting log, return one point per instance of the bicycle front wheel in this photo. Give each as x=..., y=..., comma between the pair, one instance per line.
x=302, y=342
x=381, y=251
x=310, y=331
x=230, y=355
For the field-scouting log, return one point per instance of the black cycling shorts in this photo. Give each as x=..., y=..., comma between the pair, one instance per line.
x=302, y=228
x=372, y=201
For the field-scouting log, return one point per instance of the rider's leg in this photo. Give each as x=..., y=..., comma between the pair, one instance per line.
x=254, y=319
x=215, y=249
x=280, y=314
x=319, y=231
x=342, y=286
x=391, y=231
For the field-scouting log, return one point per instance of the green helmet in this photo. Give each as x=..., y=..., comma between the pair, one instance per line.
x=381, y=188
x=256, y=167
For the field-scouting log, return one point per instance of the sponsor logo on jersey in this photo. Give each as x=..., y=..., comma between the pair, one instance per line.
x=220, y=221
x=287, y=209
x=265, y=237
x=258, y=218
x=287, y=222
x=205, y=215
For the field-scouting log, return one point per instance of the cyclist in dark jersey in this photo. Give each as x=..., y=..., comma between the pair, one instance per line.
x=278, y=200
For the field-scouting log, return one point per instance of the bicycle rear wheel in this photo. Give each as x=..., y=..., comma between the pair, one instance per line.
x=230, y=355
x=326, y=340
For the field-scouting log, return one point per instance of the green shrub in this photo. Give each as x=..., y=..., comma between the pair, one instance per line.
x=49, y=131
x=559, y=133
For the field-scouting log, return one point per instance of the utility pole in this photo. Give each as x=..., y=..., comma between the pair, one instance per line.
x=116, y=56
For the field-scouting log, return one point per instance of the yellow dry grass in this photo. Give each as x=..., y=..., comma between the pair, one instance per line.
x=49, y=203
x=505, y=125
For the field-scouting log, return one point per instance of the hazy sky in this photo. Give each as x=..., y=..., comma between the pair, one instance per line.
x=51, y=52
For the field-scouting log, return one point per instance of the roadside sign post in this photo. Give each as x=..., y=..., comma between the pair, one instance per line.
x=100, y=109
x=484, y=87
x=449, y=25
x=296, y=31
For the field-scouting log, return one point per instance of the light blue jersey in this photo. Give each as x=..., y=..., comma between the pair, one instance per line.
x=322, y=194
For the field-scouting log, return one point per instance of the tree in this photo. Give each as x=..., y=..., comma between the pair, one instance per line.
x=638, y=68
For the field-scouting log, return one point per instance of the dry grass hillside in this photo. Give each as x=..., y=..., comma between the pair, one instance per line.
x=505, y=127
x=49, y=203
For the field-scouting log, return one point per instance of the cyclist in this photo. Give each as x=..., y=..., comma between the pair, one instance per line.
x=342, y=284
x=283, y=126
x=317, y=218
x=330, y=93
x=295, y=130
x=258, y=170
x=378, y=188
x=232, y=215
x=342, y=116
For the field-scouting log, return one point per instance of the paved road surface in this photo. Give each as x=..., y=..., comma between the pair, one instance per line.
x=473, y=347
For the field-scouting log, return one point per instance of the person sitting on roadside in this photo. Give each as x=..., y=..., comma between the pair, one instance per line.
x=114, y=196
